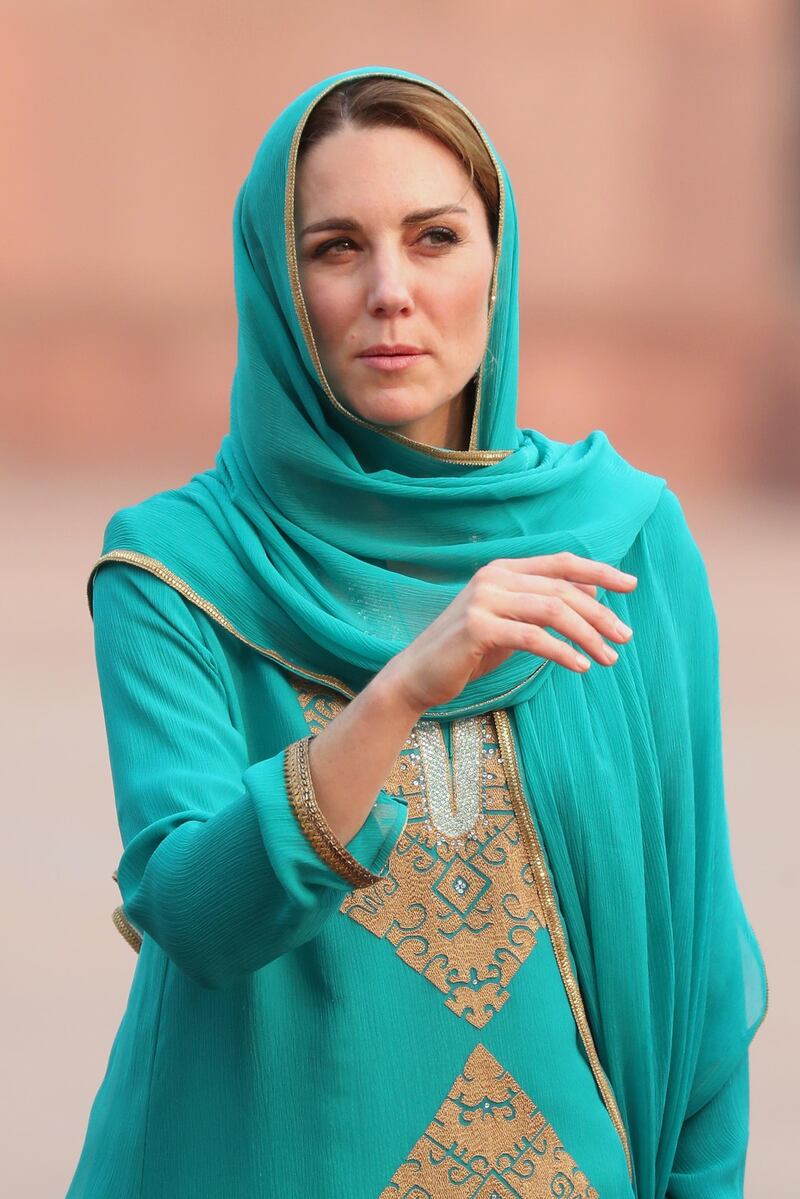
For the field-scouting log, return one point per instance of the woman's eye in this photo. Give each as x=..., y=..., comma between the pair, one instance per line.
x=447, y=236
x=441, y=236
x=346, y=242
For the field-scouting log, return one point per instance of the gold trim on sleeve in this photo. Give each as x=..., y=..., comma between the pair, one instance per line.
x=554, y=924
x=300, y=788
x=123, y=925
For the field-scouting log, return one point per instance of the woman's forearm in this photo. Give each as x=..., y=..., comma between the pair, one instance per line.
x=352, y=757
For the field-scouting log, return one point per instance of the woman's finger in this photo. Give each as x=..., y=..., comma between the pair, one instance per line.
x=516, y=634
x=573, y=568
x=591, y=609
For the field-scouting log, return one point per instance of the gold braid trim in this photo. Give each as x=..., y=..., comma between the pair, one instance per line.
x=312, y=821
x=123, y=925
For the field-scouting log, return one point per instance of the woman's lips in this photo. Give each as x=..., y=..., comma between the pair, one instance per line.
x=391, y=362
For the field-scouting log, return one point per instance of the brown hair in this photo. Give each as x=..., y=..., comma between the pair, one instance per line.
x=374, y=101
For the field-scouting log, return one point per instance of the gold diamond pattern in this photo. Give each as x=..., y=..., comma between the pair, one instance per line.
x=488, y=1140
x=464, y=917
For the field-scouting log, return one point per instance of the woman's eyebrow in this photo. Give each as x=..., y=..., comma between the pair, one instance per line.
x=412, y=218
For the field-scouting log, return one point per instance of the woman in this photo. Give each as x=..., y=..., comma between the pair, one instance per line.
x=484, y=938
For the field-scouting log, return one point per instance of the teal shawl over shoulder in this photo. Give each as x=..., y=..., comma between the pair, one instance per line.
x=328, y=543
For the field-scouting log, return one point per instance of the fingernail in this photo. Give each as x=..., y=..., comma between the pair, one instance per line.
x=622, y=629
x=610, y=653
x=581, y=662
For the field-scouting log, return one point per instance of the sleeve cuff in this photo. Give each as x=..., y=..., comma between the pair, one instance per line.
x=373, y=843
x=300, y=868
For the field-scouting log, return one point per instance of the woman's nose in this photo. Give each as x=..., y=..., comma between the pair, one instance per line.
x=389, y=289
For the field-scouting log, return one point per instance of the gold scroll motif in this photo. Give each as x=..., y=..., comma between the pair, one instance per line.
x=465, y=918
x=488, y=1139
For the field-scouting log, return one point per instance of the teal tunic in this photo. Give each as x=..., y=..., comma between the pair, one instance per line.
x=287, y=1035
x=399, y=1030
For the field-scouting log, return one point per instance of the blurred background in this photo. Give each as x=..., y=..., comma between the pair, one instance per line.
x=654, y=152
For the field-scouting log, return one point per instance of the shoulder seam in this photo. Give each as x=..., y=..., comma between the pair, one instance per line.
x=197, y=644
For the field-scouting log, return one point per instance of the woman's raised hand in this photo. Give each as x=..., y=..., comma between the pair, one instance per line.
x=505, y=607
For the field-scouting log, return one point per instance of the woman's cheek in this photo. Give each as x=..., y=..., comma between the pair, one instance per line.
x=466, y=315
x=327, y=311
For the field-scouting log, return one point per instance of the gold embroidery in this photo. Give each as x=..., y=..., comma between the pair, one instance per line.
x=300, y=789
x=464, y=918
x=488, y=1138
x=419, y=870
x=557, y=930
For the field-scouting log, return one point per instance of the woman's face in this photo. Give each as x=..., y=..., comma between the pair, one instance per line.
x=395, y=253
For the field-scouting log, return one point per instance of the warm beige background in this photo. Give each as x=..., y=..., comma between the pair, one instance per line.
x=653, y=152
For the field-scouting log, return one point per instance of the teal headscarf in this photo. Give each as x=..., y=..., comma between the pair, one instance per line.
x=332, y=542
x=328, y=543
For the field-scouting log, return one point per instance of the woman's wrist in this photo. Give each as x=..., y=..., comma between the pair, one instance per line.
x=369, y=731
x=390, y=690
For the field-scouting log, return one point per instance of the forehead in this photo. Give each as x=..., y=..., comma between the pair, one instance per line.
x=359, y=169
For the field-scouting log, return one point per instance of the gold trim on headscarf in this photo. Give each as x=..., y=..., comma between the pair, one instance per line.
x=470, y=456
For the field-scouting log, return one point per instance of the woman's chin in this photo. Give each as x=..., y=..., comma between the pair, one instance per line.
x=390, y=405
